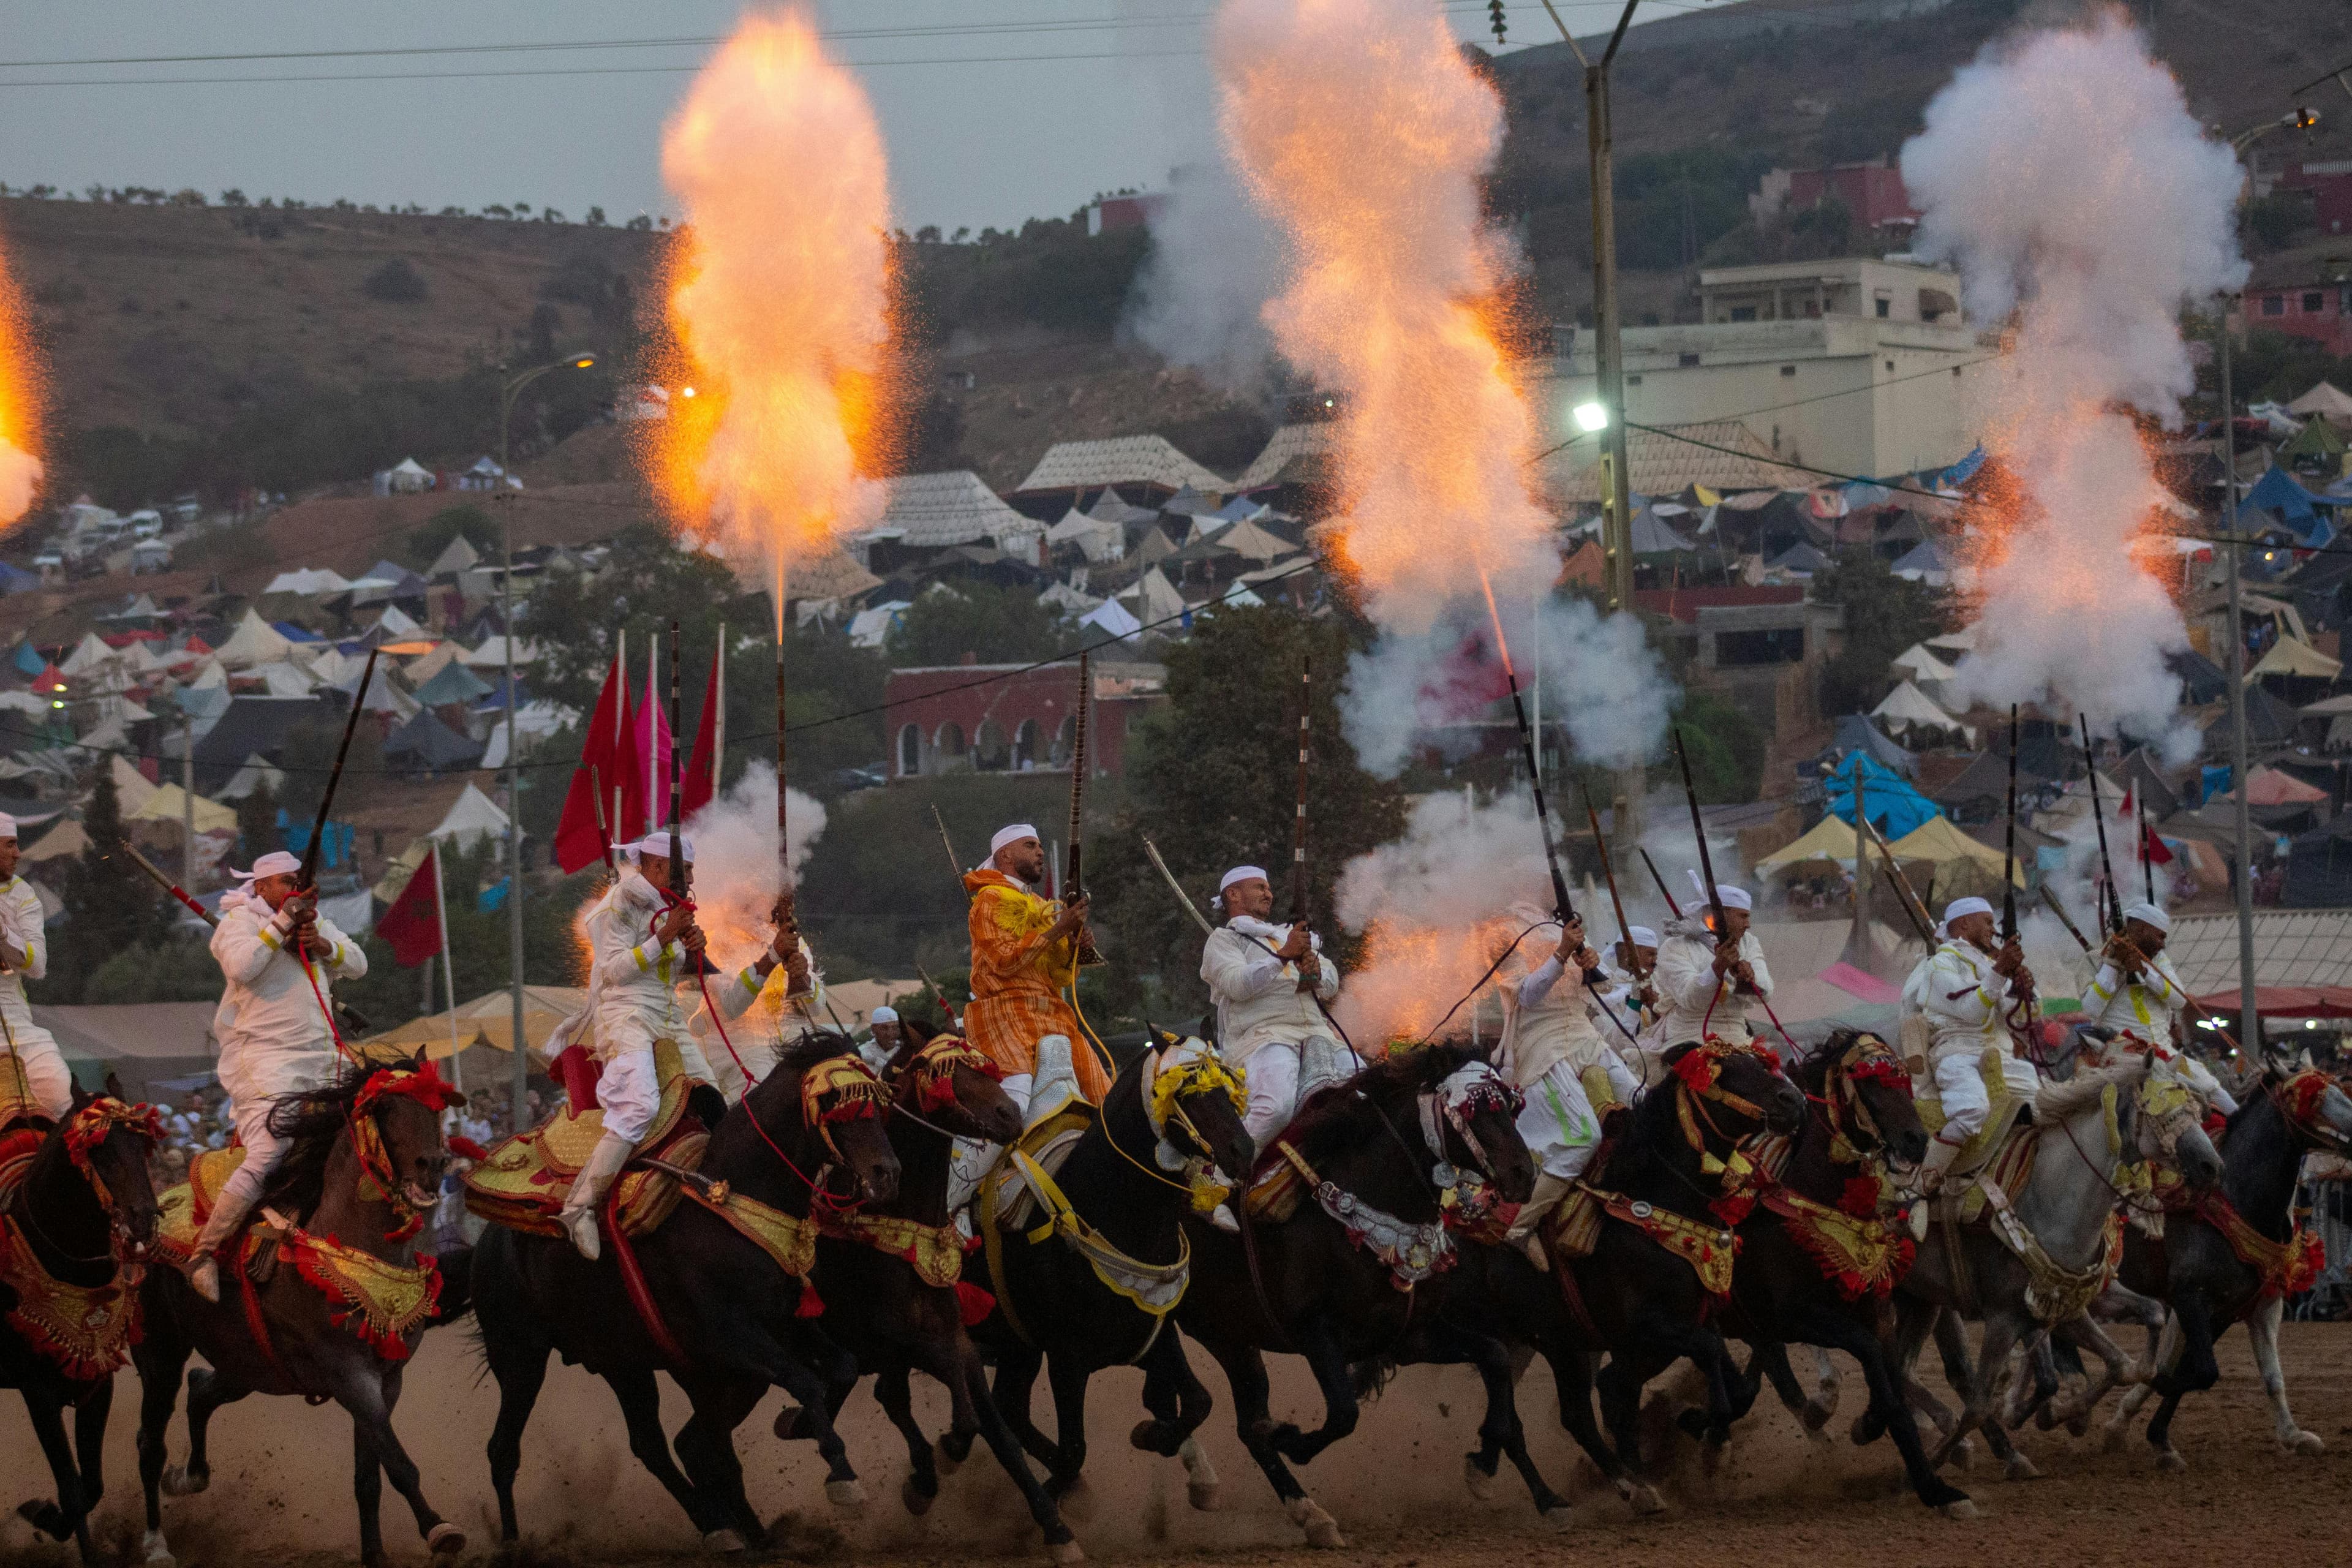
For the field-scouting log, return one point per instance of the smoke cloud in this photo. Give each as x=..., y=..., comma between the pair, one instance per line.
x=781, y=298
x=20, y=479
x=2064, y=175
x=1200, y=299
x=736, y=878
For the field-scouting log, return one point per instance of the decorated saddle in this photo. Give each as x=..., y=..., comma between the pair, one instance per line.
x=524, y=1181
x=1996, y=1139
x=87, y=1330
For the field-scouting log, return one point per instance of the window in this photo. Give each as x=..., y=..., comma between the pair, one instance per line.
x=2314, y=302
x=1687, y=361
x=1743, y=313
x=949, y=741
x=1746, y=650
x=1890, y=364
x=2273, y=304
x=1885, y=308
x=911, y=752
x=1787, y=370
x=1633, y=381
x=990, y=751
x=1024, y=745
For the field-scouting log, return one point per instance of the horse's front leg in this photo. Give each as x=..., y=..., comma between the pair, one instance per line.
x=2262, y=1328
x=68, y=1516
x=368, y=1389
x=1325, y=1357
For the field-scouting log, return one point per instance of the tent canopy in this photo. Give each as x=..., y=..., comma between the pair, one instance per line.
x=1890, y=801
x=168, y=803
x=2269, y=786
x=2293, y=656
x=2325, y=399
x=1937, y=840
x=1830, y=838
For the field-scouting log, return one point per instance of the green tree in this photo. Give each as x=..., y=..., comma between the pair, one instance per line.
x=997, y=625
x=1883, y=615
x=1728, y=746
x=110, y=906
x=396, y=282
x=1211, y=780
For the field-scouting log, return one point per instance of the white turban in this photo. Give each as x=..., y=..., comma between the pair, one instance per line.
x=1730, y=897
x=1641, y=936
x=1012, y=833
x=277, y=863
x=1969, y=906
x=2149, y=915
x=658, y=846
x=884, y=1013
x=7, y=826
x=1243, y=874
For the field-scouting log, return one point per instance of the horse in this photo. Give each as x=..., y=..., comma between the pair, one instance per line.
x=2061, y=1222
x=1095, y=1291
x=728, y=1307
x=888, y=1274
x=1338, y=1281
x=345, y=1301
x=1818, y=1256
x=77, y=1217
x=2234, y=1255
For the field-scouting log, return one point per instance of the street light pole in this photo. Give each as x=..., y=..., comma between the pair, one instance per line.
x=2248, y=1017
x=514, y=730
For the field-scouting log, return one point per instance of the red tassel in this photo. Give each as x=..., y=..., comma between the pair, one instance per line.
x=466, y=1148
x=974, y=1303
x=811, y=1305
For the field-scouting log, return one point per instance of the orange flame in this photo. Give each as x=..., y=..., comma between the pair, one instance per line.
x=1363, y=132
x=20, y=405
x=1412, y=975
x=779, y=300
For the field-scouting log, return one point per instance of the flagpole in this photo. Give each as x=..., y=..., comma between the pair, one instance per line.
x=620, y=727
x=653, y=734
x=719, y=720
x=449, y=965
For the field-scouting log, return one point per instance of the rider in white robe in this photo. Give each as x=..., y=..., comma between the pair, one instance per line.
x=32, y=1053
x=1971, y=985
x=2138, y=993
x=1265, y=981
x=1554, y=1053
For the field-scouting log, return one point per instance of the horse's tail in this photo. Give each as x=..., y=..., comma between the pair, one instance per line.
x=1373, y=1375
x=456, y=1286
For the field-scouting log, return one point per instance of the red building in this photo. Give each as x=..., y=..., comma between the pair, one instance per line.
x=956, y=719
x=2320, y=310
x=1872, y=193
x=2330, y=185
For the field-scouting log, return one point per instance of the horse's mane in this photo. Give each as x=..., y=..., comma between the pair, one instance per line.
x=311, y=1120
x=814, y=1046
x=1334, y=1109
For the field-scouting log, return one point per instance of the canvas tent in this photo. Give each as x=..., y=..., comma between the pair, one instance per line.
x=1830, y=838
x=2324, y=400
x=1906, y=706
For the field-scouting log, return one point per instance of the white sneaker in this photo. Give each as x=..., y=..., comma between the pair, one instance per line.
x=1221, y=1216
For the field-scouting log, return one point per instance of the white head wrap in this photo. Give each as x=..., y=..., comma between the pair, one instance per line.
x=658, y=846
x=1967, y=906
x=1243, y=874
x=884, y=1013
x=1641, y=936
x=1732, y=898
x=2149, y=915
x=1012, y=833
x=277, y=863
x=7, y=826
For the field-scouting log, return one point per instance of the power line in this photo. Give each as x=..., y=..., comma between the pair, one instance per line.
x=567, y=70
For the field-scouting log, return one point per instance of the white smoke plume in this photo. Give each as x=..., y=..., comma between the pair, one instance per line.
x=2064, y=175
x=1200, y=299
x=1599, y=678
x=736, y=878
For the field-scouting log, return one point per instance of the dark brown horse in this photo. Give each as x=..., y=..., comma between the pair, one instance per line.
x=363, y=1171
x=881, y=1308
x=1170, y=1115
x=79, y=1219
x=1385, y=1147
x=729, y=1308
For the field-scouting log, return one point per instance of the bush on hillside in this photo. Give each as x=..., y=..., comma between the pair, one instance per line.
x=396, y=281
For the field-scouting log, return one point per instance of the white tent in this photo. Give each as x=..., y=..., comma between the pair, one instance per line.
x=2326, y=400
x=492, y=654
x=307, y=581
x=257, y=773
x=457, y=556
x=870, y=627
x=408, y=476
x=395, y=622
x=1154, y=598
x=470, y=817
x=89, y=654
x=1920, y=664
x=209, y=674
x=255, y=641
x=281, y=679
x=130, y=786
x=1907, y=706
x=1096, y=539
x=1112, y=618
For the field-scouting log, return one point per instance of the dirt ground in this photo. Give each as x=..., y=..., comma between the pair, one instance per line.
x=280, y=1494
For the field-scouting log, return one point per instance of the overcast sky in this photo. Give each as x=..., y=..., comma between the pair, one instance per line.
x=982, y=130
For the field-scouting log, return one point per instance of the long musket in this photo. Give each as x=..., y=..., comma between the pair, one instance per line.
x=788, y=928
x=604, y=829
x=1698, y=831
x=309, y=878
x=681, y=875
x=2008, y=854
x=1074, y=884
x=1913, y=908
x=352, y=1021
x=1664, y=892
x=2114, y=911
x=1562, y=908
x=1616, y=903
x=1298, y=822
x=955, y=861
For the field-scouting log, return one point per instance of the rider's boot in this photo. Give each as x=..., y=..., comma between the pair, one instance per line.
x=220, y=1227
x=578, y=1216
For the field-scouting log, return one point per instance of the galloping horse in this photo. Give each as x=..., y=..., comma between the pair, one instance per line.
x=76, y=1214
x=345, y=1302
x=726, y=1304
x=2235, y=1254
x=1096, y=1289
x=1377, y=1166
x=888, y=1276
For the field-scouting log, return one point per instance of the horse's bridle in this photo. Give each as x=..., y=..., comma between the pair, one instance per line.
x=1698, y=1082
x=1198, y=1069
x=1867, y=1058
x=930, y=1073
x=2297, y=1098
x=85, y=1130
x=856, y=1094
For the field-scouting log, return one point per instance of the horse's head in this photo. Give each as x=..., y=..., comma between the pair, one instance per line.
x=108, y=1142
x=2162, y=1121
x=2315, y=1106
x=954, y=1086
x=1866, y=1099
x=842, y=1101
x=1470, y=1116
x=1194, y=1101
x=1736, y=1088
x=396, y=1122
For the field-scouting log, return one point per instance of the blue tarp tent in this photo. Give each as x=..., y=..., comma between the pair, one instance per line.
x=28, y=659
x=2282, y=501
x=1896, y=807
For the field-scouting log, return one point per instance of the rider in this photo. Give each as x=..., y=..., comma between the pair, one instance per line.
x=1024, y=953
x=1635, y=1000
x=279, y=956
x=1971, y=985
x=787, y=1000
x=1269, y=983
x=1706, y=979
x=2138, y=994
x=1554, y=1054
x=38, y=1068
x=879, y=1051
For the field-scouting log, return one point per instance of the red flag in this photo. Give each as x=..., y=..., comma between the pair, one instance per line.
x=2153, y=849
x=1468, y=678
x=412, y=924
x=702, y=769
x=576, y=841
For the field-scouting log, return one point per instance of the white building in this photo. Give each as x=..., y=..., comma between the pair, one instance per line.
x=1853, y=365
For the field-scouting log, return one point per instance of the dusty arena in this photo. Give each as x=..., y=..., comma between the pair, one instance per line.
x=281, y=1489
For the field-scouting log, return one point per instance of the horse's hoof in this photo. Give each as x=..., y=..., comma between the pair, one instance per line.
x=948, y=1460
x=1963, y=1508
x=2307, y=1444
x=2021, y=1468
x=1647, y=1503
x=156, y=1552
x=445, y=1540
x=1817, y=1413
x=724, y=1542
x=179, y=1480
x=785, y=1420
x=1322, y=1529
x=1064, y=1551
x=915, y=1499
x=1964, y=1453
x=848, y=1496
x=2170, y=1462
x=1480, y=1482
x=1202, y=1495
x=2116, y=1438
x=1559, y=1519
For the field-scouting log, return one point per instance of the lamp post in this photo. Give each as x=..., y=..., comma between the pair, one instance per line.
x=507, y=394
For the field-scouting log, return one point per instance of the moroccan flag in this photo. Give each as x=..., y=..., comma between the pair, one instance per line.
x=2152, y=848
x=576, y=842
x=1464, y=682
x=702, y=769
x=644, y=766
x=412, y=924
